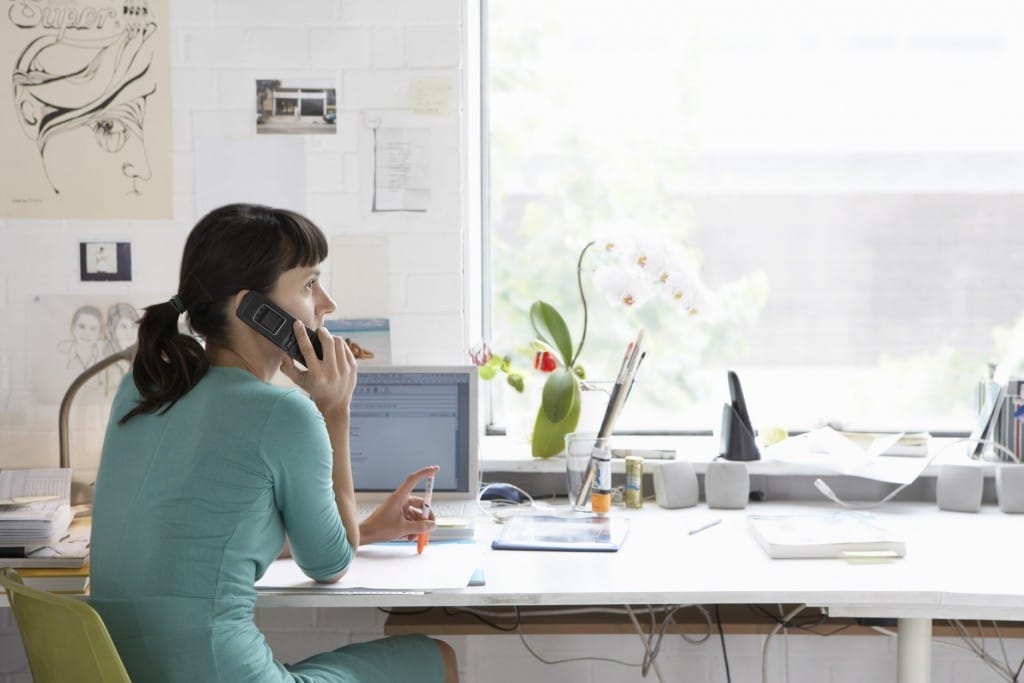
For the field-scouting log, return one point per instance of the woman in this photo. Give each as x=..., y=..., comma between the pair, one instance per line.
x=206, y=466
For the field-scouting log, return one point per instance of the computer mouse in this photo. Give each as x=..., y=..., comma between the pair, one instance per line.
x=503, y=492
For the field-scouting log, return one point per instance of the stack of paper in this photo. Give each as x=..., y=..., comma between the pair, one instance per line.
x=35, y=508
x=914, y=444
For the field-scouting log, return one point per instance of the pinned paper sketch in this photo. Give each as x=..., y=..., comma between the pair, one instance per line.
x=86, y=131
x=70, y=335
x=432, y=95
x=401, y=178
x=360, y=273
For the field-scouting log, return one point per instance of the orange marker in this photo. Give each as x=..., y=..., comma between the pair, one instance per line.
x=424, y=536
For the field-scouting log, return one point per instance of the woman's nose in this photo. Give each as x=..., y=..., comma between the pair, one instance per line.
x=326, y=303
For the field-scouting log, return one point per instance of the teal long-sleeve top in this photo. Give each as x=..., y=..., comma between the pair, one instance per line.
x=190, y=508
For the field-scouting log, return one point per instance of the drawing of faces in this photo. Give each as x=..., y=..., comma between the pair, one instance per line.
x=83, y=349
x=82, y=99
x=122, y=327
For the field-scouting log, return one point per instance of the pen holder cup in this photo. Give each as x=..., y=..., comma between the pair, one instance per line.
x=727, y=484
x=1010, y=487
x=579, y=447
x=958, y=488
x=675, y=485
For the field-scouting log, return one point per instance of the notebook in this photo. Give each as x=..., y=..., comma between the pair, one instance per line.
x=846, y=534
x=406, y=417
x=550, y=532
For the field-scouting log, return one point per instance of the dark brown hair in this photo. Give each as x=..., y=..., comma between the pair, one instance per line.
x=235, y=247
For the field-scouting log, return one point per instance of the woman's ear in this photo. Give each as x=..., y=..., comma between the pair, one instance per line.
x=238, y=299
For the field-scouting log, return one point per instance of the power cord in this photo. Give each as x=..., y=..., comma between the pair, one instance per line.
x=767, y=641
x=500, y=509
x=1002, y=669
x=453, y=611
x=652, y=642
x=721, y=637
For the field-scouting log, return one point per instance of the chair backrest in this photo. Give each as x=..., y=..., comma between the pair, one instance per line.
x=64, y=637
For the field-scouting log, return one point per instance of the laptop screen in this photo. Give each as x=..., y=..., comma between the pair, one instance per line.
x=404, y=418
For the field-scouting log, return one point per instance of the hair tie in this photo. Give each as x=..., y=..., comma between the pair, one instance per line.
x=178, y=304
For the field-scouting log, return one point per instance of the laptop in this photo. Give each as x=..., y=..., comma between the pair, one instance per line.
x=406, y=417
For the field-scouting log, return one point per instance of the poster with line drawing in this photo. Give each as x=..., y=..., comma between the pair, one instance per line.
x=85, y=126
x=73, y=333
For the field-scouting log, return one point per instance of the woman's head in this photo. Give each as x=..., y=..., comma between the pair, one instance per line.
x=241, y=246
x=233, y=248
x=121, y=326
x=86, y=324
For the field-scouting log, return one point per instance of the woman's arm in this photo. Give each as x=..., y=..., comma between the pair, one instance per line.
x=330, y=382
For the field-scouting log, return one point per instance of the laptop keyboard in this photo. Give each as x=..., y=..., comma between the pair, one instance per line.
x=442, y=509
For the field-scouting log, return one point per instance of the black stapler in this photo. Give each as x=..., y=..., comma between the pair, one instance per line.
x=737, y=432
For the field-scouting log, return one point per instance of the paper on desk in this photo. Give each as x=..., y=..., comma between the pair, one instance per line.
x=390, y=567
x=827, y=449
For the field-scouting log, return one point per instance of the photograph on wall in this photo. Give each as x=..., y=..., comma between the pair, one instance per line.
x=71, y=334
x=296, y=106
x=85, y=126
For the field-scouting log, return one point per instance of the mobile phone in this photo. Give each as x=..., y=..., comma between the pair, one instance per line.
x=275, y=323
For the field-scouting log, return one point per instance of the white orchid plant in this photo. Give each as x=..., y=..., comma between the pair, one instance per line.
x=630, y=273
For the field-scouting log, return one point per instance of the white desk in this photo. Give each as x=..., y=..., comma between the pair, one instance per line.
x=957, y=566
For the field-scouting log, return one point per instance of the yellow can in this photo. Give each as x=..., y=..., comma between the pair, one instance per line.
x=634, y=494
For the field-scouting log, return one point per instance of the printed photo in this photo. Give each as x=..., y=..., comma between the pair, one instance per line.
x=295, y=107
x=369, y=338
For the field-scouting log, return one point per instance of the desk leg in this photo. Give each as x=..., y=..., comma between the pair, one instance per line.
x=914, y=650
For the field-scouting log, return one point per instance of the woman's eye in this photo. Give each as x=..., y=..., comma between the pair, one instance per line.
x=110, y=134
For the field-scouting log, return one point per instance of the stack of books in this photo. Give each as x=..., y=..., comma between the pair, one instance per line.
x=37, y=536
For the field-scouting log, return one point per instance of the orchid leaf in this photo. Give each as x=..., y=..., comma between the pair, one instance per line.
x=549, y=437
x=561, y=392
x=551, y=328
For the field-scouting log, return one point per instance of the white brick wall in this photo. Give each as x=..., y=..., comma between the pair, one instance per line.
x=373, y=49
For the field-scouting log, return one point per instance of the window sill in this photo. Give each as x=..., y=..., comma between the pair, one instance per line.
x=504, y=454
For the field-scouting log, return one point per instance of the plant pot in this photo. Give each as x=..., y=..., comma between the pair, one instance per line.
x=548, y=439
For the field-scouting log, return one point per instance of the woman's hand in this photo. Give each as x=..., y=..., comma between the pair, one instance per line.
x=330, y=381
x=401, y=513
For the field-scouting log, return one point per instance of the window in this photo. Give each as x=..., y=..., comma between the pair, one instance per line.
x=850, y=172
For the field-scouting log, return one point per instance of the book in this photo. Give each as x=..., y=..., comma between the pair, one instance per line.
x=56, y=579
x=35, y=507
x=837, y=534
x=550, y=532
x=70, y=551
x=34, y=485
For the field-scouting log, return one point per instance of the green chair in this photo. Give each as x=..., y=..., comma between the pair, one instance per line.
x=64, y=637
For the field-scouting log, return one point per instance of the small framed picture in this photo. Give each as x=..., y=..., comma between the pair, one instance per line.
x=105, y=260
x=369, y=338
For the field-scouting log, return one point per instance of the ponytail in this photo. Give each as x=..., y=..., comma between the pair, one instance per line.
x=167, y=363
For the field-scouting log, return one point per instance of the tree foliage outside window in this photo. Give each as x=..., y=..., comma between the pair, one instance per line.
x=851, y=174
